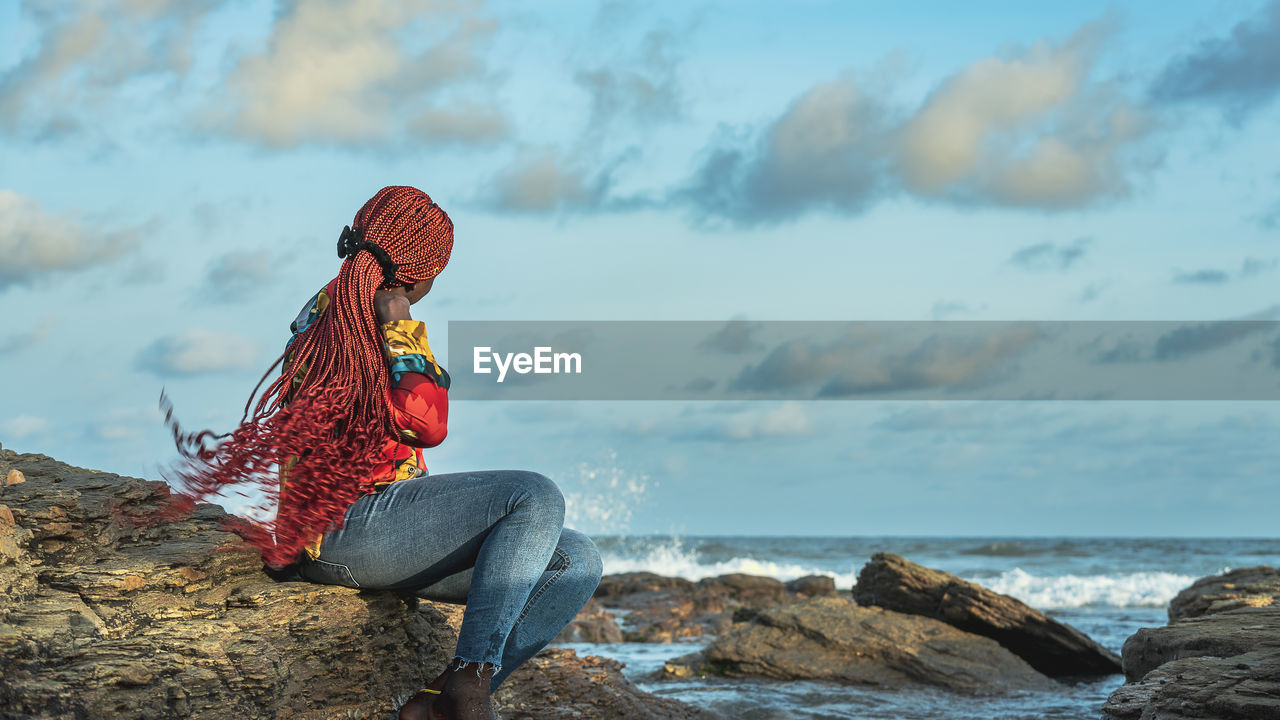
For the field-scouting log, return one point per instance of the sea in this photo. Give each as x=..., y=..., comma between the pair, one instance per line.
x=1105, y=587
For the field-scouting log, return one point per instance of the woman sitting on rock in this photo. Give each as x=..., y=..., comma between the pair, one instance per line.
x=336, y=444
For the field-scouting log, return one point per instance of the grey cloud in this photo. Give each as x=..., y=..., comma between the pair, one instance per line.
x=1198, y=338
x=86, y=54
x=642, y=88
x=17, y=342
x=827, y=151
x=464, y=124
x=36, y=244
x=1032, y=130
x=1093, y=290
x=238, y=274
x=197, y=352
x=1240, y=73
x=545, y=180
x=1249, y=267
x=862, y=363
x=1049, y=256
x=735, y=336
x=946, y=308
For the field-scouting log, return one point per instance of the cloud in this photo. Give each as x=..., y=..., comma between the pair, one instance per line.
x=197, y=352
x=827, y=151
x=1031, y=130
x=868, y=361
x=35, y=243
x=543, y=180
x=362, y=73
x=1249, y=267
x=1197, y=338
x=25, y=426
x=945, y=308
x=1240, y=73
x=239, y=274
x=16, y=342
x=735, y=337
x=786, y=420
x=1048, y=256
x=1093, y=290
x=86, y=54
x=640, y=87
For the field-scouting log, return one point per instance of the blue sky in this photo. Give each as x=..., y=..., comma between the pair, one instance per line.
x=173, y=176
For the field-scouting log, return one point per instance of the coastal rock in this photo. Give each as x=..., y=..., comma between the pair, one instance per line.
x=1225, y=634
x=1055, y=649
x=1246, y=587
x=558, y=684
x=662, y=609
x=179, y=620
x=830, y=638
x=1242, y=687
x=813, y=586
x=593, y=624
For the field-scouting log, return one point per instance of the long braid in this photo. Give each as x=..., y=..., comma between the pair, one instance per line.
x=329, y=431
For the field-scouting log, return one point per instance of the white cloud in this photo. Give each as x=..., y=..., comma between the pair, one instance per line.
x=35, y=243
x=784, y=420
x=540, y=181
x=25, y=426
x=355, y=73
x=198, y=352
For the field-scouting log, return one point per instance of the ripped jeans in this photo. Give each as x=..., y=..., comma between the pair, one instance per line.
x=493, y=540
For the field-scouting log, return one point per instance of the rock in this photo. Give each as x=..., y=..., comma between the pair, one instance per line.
x=1246, y=587
x=557, y=684
x=179, y=620
x=813, y=586
x=1244, y=687
x=14, y=477
x=1224, y=634
x=661, y=609
x=1055, y=649
x=593, y=624
x=830, y=638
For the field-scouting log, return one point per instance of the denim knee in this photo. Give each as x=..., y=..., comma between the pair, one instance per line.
x=537, y=491
x=584, y=557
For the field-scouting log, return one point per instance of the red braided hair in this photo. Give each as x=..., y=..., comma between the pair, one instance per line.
x=331, y=429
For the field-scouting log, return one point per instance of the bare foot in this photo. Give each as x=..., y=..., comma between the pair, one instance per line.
x=464, y=696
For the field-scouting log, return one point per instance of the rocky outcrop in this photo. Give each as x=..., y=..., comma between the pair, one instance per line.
x=557, y=684
x=1224, y=634
x=178, y=620
x=594, y=624
x=1246, y=587
x=830, y=638
x=662, y=609
x=1241, y=687
x=1211, y=662
x=1055, y=649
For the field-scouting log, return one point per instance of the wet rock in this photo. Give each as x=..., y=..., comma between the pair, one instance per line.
x=1055, y=649
x=593, y=624
x=1241, y=687
x=813, y=586
x=1246, y=587
x=662, y=609
x=558, y=684
x=1224, y=634
x=830, y=638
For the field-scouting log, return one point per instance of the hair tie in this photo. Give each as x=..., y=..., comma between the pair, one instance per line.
x=351, y=241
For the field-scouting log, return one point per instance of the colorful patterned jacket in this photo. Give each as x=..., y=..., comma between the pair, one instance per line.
x=419, y=399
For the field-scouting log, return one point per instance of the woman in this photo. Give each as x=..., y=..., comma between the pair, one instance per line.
x=359, y=398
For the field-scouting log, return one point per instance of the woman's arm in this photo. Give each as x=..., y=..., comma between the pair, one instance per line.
x=419, y=387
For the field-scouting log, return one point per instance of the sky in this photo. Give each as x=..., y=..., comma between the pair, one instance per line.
x=174, y=175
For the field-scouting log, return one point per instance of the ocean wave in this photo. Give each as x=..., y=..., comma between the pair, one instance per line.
x=1047, y=592
x=675, y=560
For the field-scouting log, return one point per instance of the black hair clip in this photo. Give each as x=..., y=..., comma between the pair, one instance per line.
x=351, y=241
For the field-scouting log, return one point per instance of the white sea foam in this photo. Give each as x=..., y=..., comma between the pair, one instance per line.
x=674, y=560
x=1142, y=589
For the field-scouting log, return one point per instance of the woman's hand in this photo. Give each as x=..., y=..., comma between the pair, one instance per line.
x=391, y=305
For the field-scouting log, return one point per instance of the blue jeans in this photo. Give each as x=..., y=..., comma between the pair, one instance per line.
x=493, y=540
